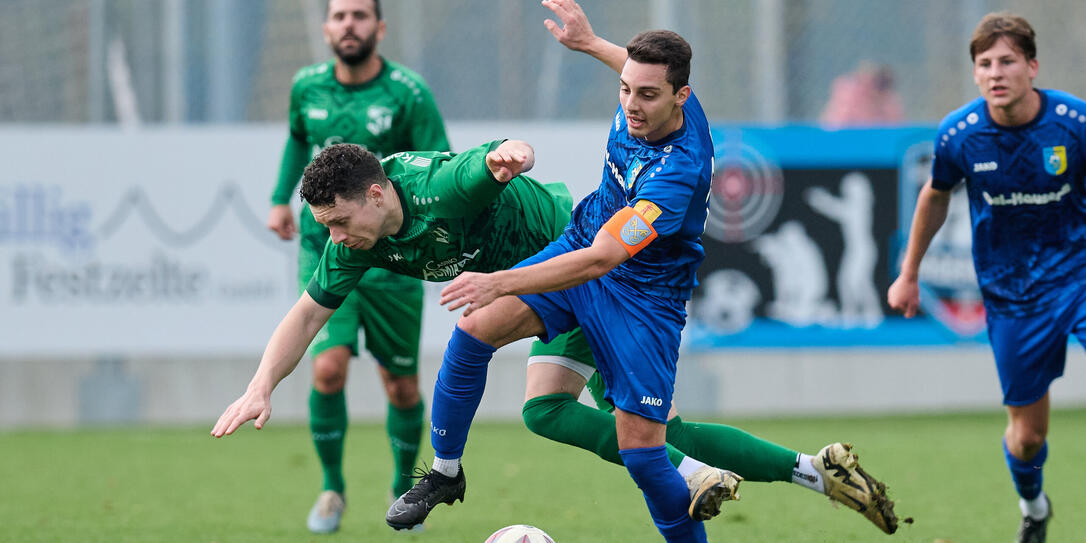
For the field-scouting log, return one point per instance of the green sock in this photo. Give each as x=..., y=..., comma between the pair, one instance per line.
x=404, y=427
x=561, y=418
x=730, y=448
x=328, y=423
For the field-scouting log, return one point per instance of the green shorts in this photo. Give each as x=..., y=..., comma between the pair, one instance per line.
x=570, y=350
x=386, y=306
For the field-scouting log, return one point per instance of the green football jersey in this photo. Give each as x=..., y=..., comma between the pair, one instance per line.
x=457, y=218
x=391, y=113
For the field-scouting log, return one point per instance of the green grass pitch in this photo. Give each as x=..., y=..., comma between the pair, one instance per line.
x=179, y=484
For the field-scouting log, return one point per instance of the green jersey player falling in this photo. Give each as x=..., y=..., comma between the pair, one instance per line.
x=359, y=98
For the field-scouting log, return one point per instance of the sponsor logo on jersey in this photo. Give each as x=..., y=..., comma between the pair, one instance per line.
x=317, y=114
x=632, y=171
x=649, y=400
x=441, y=235
x=395, y=257
x=989, y=166
x=614, y=170
x=380, y=120
x=1027, y=199
x=1055, y=159
x=448, y=268
x=635, y=231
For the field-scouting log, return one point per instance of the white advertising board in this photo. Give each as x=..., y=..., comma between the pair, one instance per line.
x=154, y=241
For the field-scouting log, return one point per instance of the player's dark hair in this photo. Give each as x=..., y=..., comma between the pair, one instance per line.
x=345, y=170
x=1004, y=25
x=663, y=47
x=376, y=8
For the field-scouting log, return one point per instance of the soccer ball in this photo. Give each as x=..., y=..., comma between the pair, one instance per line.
x=519, y=533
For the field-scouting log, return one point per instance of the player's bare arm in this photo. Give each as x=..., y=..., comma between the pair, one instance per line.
x=931, y=210
x=577, y=34
x=510, y=159
x=476, y=290
x=281, y=221
x=285, y=349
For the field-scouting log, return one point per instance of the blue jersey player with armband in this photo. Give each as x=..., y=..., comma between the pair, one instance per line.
x=1020, y=151
x=622, y=271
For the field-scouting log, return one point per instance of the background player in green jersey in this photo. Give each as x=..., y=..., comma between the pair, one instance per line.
x=359, y=97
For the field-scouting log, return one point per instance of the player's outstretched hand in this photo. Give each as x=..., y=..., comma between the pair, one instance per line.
x=476, y=290
x=575, y=32
x=510, y=159
x=904, y=296
x=281, y=221
x=252, y=405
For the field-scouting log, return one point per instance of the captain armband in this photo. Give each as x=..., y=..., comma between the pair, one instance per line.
x=632, y=226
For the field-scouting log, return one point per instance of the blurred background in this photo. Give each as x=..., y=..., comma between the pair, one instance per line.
x=766, y=61
x=141, y=139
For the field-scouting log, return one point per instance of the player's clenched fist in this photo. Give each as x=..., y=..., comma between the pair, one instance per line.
x=510, y=159
x=904, y=296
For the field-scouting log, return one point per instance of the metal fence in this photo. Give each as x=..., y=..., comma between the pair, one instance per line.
x=155, y=61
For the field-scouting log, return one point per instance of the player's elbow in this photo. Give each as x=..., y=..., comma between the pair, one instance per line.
x=597, y=270
x=605, y=254
x=601, y=264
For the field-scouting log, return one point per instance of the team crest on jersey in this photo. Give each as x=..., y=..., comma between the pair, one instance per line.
x=379, y=120
x=635, y=231
x=1055, y=159
x=632, y=171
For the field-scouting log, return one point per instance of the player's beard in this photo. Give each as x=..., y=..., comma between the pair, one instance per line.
x=366, y=47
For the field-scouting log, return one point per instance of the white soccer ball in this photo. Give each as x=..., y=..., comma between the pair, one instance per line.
x=519, y=533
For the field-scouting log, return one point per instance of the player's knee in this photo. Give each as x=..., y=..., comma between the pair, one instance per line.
x=476, y=327
x=329, y=384
x=1028, y=443
x=403, y=391
x=540, y=413
x=1025, y=441
x=330, y=370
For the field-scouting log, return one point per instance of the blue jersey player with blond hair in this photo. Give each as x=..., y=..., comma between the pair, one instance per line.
x=1020, y=151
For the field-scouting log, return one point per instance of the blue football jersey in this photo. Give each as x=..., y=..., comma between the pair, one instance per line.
x=1026, y=199
x=674, y=173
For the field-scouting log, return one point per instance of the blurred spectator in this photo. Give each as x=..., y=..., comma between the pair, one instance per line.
x=864, y=97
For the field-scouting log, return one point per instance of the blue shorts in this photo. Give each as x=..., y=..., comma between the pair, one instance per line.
x=634, y=337
x=1030, y=352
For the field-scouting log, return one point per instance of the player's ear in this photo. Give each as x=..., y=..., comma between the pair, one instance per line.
x=682, y=95
x=376, y=194
x=380, y=30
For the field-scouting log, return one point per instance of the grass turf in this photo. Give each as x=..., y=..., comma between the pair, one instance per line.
x=179, y=484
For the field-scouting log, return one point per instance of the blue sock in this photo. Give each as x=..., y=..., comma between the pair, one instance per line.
x=1027, y=474
x=665, y=493
x=459, y=388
